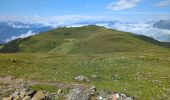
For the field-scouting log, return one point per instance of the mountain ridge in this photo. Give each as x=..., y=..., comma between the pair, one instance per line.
x=87, y=39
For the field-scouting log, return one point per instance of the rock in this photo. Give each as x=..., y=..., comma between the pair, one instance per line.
x=91, y=91
x=94, y=76
x=31, y=93
x=25, y=86
x=15, y=94
x=8, y=98
x=27, y=98
x=22, y=95
x=77, y=94
x=17, y=98
x=59, y=91
x=128, y=98
x=109, y=97
x=104, y=93
x=39, y=96
x=80, y=78
x=123, y=96
x=99, y=98
x=116, y=96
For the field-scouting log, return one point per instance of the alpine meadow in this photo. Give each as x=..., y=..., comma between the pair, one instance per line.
x=104, y=50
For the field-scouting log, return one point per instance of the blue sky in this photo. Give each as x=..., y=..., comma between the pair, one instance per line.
x=116, y=9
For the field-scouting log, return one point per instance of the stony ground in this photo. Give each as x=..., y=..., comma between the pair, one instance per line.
x=19, y=89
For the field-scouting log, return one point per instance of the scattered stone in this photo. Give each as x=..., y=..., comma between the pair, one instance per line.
x=99, y=98
x=17, y=98
x=76, y=92
x=32, y=93
x=59, y=91
x=81, y=78
x=80, y=94
x=27, y=98
x=128, y=98
x=94, y=76
x=39, y=96
x=8, y=98
x=22, y=95
x=123, y=96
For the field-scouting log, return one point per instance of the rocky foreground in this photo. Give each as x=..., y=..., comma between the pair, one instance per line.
x=19, y=90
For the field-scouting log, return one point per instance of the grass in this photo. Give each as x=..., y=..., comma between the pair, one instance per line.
x=137, y=74
x=135, y=65
x=84, y=40
x=42, y=87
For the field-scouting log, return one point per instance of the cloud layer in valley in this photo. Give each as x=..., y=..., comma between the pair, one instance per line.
x=144, y=28
x=29, y=33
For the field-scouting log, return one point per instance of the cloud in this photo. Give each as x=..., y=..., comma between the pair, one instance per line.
x=163, y=3
x=65, y=19
x=144, y=28
x=123, y=4
x=17, y=26
x=139, y=28
x=29, y=33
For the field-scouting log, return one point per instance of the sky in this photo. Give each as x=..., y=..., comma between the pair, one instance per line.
x=74, y=10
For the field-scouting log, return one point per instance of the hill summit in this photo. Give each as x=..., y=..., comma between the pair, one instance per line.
x=84, y=40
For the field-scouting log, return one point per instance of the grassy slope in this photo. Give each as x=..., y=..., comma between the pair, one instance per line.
x=123, y=62
x=143, y=75
x=84, y=40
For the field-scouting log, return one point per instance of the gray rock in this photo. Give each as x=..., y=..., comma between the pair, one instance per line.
x=94, y=76
x=80, y=78
x=15, y=94
x=128, y=98
x=108, y=97
x=77, y=94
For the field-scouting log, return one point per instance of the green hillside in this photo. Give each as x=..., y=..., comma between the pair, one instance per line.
x=83, y=40
x=135, y=65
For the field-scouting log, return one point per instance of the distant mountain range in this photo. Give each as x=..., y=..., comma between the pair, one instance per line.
x=162, y=24
x=12, y=30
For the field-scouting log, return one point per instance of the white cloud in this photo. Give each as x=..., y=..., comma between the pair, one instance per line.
x=17, y=26
x=29, y=33
x=144, y=28
x=122, y=4
x=163, y=3
x=51, y=20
